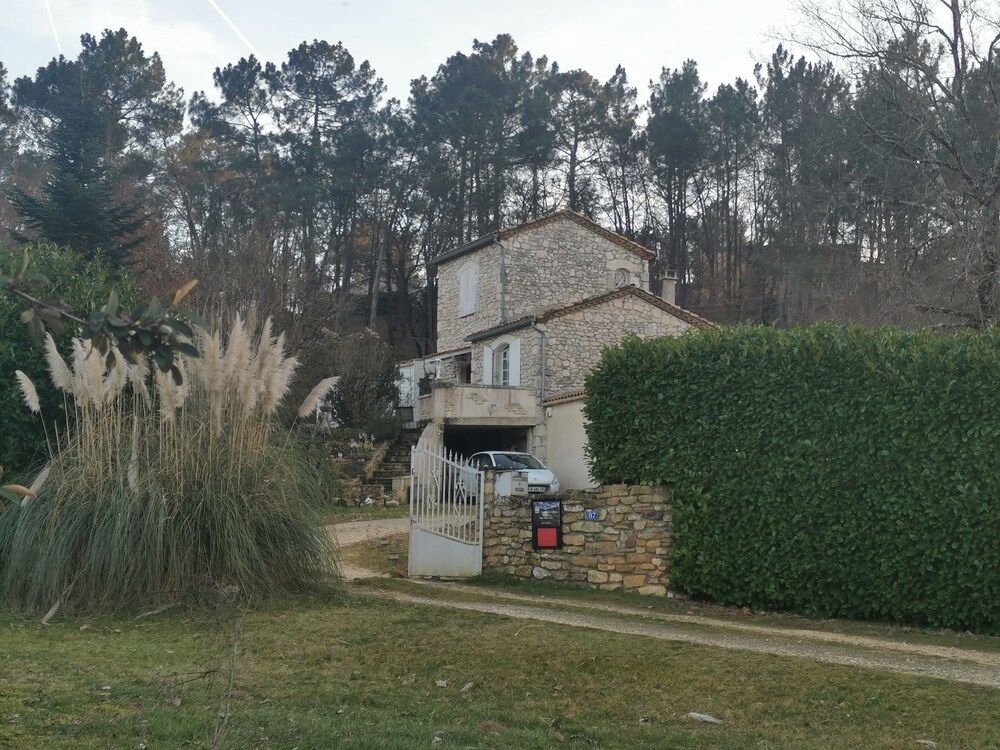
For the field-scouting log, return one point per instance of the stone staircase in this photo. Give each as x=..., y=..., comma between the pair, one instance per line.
x=396, y=462
x=367, y=471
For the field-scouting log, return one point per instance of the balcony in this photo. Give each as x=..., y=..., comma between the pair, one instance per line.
x=479, y=405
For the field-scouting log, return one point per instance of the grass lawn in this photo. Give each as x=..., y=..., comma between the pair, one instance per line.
x=389, y=556
x=352, y=671
x=386, y=555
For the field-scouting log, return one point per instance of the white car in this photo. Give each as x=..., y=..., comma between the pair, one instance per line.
x=540, y=479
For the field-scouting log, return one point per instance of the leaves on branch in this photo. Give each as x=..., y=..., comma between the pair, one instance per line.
x=148, y=330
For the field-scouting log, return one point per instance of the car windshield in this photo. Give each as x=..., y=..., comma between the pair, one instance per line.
x=517, y=461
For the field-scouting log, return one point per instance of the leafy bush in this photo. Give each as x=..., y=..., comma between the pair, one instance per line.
x=833, y=471
x=163, y=492
x=366, y=390
x=85, y=286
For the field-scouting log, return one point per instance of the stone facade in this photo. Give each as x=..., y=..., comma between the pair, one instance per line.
x=453, y=328
x=626, y=547
x=577, y=339
x=559, y=290
x=531, y=269
x=531, y=356
x=574, y=342
x=561, y=263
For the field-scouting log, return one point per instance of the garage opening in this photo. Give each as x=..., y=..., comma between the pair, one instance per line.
x=469, y=440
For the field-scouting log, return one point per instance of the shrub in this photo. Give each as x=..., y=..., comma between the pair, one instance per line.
x=833, y=471
x=365, y=393
x=164, y=491
x=85, y=286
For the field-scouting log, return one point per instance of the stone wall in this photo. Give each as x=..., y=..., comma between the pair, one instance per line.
x=561, y=263
x=576, y=340
x=545, y=266
x=531, y=358
x=625, y=548
x=452, y=328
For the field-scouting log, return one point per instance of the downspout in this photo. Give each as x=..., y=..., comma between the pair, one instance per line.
x=541, y=374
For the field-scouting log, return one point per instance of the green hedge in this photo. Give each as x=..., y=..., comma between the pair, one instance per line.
x=85, y=286
x=833, y=471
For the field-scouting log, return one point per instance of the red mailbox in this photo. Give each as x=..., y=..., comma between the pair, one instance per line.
x=546, y=524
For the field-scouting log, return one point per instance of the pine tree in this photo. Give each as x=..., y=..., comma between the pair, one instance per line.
x=79, y=207
x=94, y=120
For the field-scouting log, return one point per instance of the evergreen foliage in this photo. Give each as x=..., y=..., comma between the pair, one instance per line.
x=833, y=471
x=93, y=117
x=83, y=286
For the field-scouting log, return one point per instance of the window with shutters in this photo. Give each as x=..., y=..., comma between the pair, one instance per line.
x=501, y=365
x=467, y=283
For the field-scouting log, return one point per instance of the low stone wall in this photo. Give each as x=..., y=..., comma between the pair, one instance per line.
x=625, y=547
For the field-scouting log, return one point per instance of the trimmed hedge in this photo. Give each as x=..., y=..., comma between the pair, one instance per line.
x=833, y=471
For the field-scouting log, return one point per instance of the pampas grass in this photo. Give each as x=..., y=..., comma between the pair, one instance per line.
x=158, y=491
x=28, y=391
x=311, y=401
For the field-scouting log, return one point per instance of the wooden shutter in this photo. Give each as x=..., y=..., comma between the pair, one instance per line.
x=471, y=284
x=467, y=289
x=463, y=293
x=515, y=362
x=487, y=365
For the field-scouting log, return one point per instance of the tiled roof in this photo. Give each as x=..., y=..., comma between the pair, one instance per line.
x=643, y=252
x=626, y=291
x=434, y=355
x=488, y=333
x=634, y=247
x=678, y=312
x=571, y=395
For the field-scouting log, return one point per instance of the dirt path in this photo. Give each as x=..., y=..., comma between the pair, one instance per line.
x=355, y=532
x=923, y=666
x=984, y=658
x=927, y=660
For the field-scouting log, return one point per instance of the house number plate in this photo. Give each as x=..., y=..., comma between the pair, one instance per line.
x=591, y=515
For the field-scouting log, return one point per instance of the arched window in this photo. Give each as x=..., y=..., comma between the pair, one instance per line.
x=622, y=278
x=467, y=283
x=501, y=365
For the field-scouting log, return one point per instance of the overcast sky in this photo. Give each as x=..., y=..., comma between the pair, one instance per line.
x=404, y=40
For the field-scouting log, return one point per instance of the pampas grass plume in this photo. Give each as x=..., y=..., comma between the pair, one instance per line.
x=62, y=378
x=28, y=391
x=312, y=400
x=36, y=485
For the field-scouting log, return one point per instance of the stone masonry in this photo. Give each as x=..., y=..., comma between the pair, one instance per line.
x=452, y=328
x=535, y=267
x=626, y=547
x=577, y=339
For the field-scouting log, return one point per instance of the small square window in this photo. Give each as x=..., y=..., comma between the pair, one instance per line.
x=622, y=278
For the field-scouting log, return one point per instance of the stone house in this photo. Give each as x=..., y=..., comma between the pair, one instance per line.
x=523, y=315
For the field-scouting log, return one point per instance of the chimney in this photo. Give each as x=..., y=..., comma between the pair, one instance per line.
x=668, y=287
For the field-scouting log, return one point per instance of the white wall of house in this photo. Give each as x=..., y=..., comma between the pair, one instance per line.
x=566, y=440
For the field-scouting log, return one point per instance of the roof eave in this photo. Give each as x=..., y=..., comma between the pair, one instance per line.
x=468, y=247
x=500, y=330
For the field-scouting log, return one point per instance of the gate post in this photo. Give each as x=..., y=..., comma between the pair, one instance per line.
x=486, y=508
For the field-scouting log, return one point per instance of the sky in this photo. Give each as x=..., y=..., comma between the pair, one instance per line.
x=404, y=40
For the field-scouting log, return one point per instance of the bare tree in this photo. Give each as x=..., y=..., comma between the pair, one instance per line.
x=934, y=68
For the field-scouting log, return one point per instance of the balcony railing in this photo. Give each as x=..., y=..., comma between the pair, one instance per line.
x=479, y=405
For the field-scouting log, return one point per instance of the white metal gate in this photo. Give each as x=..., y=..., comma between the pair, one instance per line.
x=446, y=515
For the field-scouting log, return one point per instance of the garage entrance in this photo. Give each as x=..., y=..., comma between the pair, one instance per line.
x=467, y=440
